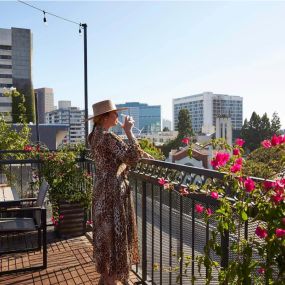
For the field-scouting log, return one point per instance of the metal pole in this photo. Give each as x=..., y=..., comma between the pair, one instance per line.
x=85, y=83
x=37, y=118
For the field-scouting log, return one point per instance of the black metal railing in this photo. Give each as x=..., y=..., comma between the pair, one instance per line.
x=19, y=174
x=171, y=233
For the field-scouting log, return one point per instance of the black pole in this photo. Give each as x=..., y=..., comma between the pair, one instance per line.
x=85, y=83
x=37, y=118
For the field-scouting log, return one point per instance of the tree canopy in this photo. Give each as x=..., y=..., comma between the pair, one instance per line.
x=184, y=130
x=258, y=129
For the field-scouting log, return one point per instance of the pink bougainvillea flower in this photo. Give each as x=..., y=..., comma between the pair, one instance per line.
x=261, y=270
x=214, y=194
x=239, y=161
x=261, y=232
x=220, y=159
x=183, y=191
x=185, y=140
x=199, y=208
x=249, y=184
x=28, y=148
x=236, y=151
x=161, y=181
x=90, y=222
x=277, y=197
x=240, y=142
x=279, y=184
x=209, y=212
x=280, y=233
x=235, y=168
x=268, y=185
x=275, y=140
x=281, y=139
x=266, y=144
x=283, y=221
x=61, y=217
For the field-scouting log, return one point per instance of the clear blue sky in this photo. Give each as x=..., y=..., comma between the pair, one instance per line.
x=152, y=52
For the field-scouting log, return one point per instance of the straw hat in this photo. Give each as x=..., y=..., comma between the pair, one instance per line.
x=103, y=107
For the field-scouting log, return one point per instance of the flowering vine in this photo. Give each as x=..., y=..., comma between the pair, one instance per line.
x=243, y=200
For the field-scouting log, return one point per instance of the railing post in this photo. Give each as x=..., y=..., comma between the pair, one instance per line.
x=144, y=241
x=225, y=249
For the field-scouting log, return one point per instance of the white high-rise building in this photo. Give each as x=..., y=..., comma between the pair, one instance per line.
x=204, y=108
x=74, y=118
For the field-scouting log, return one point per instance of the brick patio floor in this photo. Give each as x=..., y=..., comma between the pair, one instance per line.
x=69, y=262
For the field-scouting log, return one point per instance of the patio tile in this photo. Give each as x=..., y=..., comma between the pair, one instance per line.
x=69, y=262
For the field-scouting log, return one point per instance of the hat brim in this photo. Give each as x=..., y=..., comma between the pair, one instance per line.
x=118, y=109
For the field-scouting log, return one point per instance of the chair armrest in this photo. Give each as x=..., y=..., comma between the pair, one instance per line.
x=37, y=213
x=22, y=209
x=28, y=200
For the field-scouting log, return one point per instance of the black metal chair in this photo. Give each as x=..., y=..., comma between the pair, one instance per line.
x=25, y=220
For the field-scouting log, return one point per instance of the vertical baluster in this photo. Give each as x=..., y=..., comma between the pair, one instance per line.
x=181, y=241
x=170, y=236
x=144, y=237
x=160, y=235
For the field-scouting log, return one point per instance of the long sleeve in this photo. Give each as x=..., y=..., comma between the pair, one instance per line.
x=128, y=152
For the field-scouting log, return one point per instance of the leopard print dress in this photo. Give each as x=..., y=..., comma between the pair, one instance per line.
x=115, y=238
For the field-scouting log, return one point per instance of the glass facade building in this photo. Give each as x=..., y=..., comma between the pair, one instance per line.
x=147, y=118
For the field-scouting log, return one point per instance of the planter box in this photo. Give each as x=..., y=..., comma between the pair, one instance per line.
x=74, y=220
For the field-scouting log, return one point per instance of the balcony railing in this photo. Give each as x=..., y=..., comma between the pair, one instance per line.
x=171, y=233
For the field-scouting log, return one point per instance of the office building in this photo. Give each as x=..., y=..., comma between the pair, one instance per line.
x=15, y=64
x=45, y=102
x=64, y=104
x=166, y=124
x=74, y=118
x=147, y=118
x=204, y=108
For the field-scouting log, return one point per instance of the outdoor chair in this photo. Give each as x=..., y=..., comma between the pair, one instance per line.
x=24, y=220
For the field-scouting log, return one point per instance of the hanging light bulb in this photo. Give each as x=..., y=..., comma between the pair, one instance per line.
x=80, y=27
x=45, y=19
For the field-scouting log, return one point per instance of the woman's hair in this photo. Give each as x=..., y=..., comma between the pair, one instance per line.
x=97, y=121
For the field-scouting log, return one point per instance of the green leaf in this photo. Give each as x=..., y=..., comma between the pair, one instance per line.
x=244, y=216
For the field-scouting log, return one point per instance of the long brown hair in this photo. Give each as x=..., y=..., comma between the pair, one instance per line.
x=97, y=121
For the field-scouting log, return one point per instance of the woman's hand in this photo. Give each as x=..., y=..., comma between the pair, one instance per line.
x=128, y=125
x=146, y=155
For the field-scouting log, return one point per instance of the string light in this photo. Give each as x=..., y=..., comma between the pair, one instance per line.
x=80, y=28
x=54, y=15
x=45, y=19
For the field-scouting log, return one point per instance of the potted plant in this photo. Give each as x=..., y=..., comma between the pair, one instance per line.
x=70, y=189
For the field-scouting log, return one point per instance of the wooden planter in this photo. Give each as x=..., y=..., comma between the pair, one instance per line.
x=73, y=222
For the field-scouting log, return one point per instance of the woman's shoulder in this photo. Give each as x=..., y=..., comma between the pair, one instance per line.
x=113, y=136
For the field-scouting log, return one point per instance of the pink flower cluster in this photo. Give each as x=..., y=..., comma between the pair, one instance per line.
x=278, y=187
x=275, y=140
x=239, y=142
x=262, y=233
x=220, y=159
x=237, y=165
x=55, y=220
x=200, y=209
x=185, y=140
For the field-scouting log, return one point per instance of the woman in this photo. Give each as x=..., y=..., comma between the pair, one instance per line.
x=115, y=233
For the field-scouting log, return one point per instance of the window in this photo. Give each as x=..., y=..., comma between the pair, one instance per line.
x=5, y=66
x=3, y=85
x=5, y=57
x=5, y=47
x=5, y=75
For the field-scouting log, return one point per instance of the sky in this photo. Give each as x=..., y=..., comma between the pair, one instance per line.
x=154, y=51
